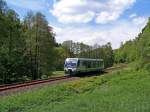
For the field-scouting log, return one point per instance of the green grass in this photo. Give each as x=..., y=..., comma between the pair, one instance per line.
x=121, y=91
x=57, y=73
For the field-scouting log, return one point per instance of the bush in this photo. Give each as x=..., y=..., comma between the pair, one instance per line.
x=147, y=67
x=138, y=65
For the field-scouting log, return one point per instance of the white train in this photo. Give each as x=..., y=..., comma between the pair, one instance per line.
x=74, y=66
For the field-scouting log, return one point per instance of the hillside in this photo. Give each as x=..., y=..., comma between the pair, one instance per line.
x=137, y=49
x=122, y=91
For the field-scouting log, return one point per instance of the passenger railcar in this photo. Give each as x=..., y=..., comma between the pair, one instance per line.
x=74, y=66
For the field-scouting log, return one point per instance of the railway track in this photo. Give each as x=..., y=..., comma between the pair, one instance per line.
x=7, y=89
x=115, y=68
x=34, y=82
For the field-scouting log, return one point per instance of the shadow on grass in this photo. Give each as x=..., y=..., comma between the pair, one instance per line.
x=90, y=74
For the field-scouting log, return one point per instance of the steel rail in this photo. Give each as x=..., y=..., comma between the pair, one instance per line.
x=34, y=82
x=41, y=81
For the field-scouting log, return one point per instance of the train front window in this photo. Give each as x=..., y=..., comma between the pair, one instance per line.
x=70, y=64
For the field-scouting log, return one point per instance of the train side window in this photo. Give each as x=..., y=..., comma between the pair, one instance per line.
x=89, y=64
x=101, y=63
x=79, y=64
x=84, y=64
x=94, y=64
x=97, y=64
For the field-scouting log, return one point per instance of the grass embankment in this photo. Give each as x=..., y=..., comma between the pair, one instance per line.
x=124, y=91
x=57, y=74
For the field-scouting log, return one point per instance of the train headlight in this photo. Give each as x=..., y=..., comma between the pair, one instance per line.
x=66, y=69
x=74, y=69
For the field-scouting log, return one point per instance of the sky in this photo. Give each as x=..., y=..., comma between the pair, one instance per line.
x=90, y=21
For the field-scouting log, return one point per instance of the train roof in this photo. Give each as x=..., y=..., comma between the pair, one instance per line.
x=85, y=59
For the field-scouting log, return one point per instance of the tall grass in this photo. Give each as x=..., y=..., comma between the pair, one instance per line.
x=122, y=91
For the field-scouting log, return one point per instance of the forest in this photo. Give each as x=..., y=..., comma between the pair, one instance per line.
x=137, y=50
x=29, y=51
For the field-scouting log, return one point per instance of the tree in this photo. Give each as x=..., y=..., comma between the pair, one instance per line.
x=41, y=41
x=81, y=50
x=136, y=49
x=12, y=46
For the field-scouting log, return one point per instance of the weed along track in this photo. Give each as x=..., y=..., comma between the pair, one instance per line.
x=7, y=89
x=14, y=88
x=3, y=88
x=115, y=68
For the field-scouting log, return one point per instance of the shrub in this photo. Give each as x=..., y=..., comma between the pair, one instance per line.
x=147, y=67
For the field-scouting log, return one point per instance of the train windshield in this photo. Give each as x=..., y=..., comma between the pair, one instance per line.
x=70, y=64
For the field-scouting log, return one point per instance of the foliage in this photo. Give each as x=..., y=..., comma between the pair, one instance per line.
x=60, y=55
x=81, y=50
x=123, y=91
x=26, y=48
x=136, y=50
x=40, y=41
x=13, y=61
